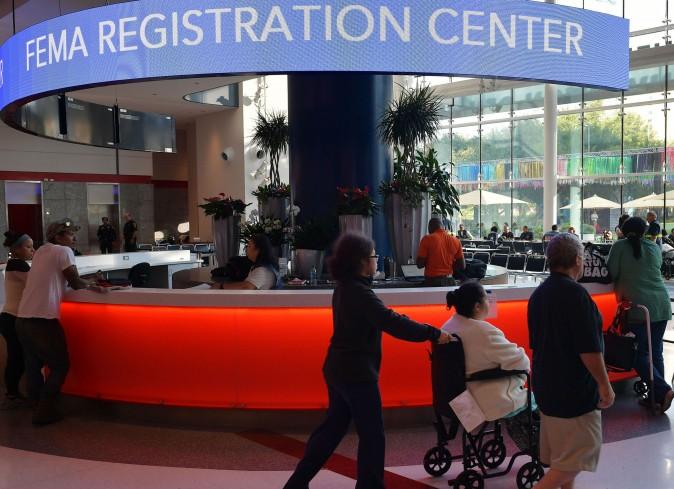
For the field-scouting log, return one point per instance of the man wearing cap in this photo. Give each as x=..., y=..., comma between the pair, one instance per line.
x=38, y=326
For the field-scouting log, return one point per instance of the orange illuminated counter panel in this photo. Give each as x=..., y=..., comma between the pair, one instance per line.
x=255, y=350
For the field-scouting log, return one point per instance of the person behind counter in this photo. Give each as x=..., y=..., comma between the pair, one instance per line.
x=38, y=326
x=106, y=235
x=634, y=264
x=439, y=254
x=351, y=367
x=263, y=274
x=16, y=272
x=130, y=233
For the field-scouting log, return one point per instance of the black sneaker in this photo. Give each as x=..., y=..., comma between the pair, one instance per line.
x=11, y=402
x=46, y=413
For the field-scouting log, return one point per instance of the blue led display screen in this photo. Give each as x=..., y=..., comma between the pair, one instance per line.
x=169, y=38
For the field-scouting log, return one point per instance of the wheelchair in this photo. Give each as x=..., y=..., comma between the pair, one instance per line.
x=482, y=452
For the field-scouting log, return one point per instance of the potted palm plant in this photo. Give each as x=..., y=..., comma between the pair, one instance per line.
x=226, y=213
x=273, y=228
x=271, y=136
x=355, y=208
x=418, y=178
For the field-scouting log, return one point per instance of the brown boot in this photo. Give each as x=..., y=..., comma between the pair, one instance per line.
x=46, y=412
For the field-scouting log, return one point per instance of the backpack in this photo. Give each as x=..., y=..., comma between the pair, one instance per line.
x=476, y=269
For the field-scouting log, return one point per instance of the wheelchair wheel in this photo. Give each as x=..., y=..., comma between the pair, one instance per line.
x=437, y=461
x=493, y=453
x=469, y=479
x=640, y=388
x=528, y=475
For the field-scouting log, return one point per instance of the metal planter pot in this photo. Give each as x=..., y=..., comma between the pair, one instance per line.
x=305, y=260
x=406, y=226
x=226, y=234
x=274, y=208
x=356, y=223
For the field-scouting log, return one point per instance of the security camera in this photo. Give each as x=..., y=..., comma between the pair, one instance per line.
x=228, y=153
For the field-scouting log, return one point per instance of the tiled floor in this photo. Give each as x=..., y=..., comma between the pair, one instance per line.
x=97, y=450
x=89, y=451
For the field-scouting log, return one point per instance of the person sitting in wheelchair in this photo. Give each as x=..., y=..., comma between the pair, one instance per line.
x=486, y=347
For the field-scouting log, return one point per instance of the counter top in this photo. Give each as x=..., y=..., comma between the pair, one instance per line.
x=291, y=298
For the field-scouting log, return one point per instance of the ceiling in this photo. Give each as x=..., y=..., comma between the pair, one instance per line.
x=162, y=96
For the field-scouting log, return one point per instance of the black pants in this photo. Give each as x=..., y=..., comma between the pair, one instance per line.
x=105, y=248
x=44, y=343
x=439, y=282
x=358, y=401
x=15, y=363
x=130, y=246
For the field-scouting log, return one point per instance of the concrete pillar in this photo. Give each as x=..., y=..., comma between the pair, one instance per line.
x=550, y=158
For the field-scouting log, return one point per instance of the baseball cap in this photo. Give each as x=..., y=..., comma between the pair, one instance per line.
x=61, y=226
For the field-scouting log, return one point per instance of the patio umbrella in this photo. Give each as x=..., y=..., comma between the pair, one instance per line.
x=594, y=202
x=650, y=201
x=488, y=198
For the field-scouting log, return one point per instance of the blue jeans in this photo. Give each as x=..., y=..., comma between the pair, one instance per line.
x=660, y=386
x=361, y=402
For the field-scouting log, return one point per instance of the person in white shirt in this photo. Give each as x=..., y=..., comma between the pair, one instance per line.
x=16, y=272
x=38, y=326
x=486, y=347
x=263, y=274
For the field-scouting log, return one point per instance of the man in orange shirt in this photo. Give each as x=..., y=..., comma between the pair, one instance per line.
x=440, y=253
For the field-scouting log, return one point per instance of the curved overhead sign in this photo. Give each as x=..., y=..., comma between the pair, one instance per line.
x=171, y=38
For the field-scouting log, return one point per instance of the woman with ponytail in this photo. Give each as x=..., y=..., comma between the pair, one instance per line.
x=16, y=272
x=634, y=263
x=486, y=347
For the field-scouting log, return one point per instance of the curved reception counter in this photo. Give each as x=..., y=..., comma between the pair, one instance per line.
x=249, y=349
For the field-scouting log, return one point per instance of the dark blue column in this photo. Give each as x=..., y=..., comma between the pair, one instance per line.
x=334, y=142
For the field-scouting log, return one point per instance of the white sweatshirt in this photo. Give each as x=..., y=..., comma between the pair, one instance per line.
x=485, y=347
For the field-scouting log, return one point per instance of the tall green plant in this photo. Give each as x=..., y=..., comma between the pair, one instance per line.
x=411, y=120
x=444, y=197
x=271, y=136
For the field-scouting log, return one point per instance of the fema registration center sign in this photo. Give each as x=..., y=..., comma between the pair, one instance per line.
x=171, y=38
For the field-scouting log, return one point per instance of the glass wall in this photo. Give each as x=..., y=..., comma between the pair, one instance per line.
x=613, y=147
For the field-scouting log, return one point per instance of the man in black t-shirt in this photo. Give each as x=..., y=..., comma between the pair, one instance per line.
x=568, y=376
x=526, y=234
x=130, y=234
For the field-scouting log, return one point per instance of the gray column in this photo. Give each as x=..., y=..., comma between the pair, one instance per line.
x=550, y=158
